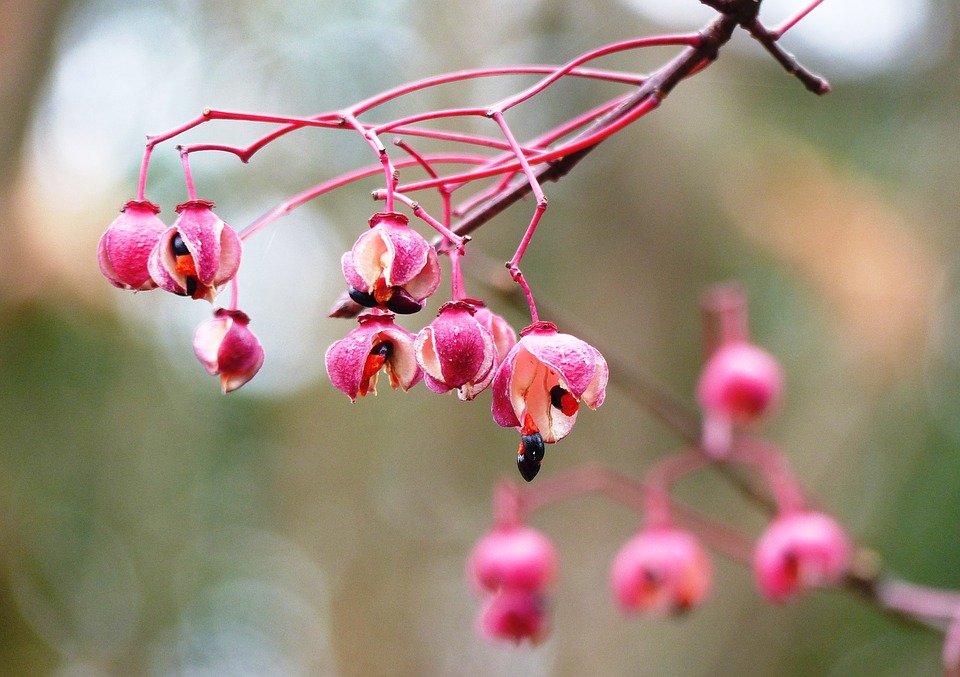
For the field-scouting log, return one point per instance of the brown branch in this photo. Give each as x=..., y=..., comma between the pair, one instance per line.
x=716, y=34
x=657, y=86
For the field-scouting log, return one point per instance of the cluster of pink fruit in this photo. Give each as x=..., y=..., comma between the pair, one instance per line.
x=194, y=257
x=538, y=381
x=664, y=568
x=660, y=571
x=539, y=377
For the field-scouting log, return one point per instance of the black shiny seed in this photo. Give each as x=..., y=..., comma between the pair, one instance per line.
x=533, y=446
x=178, y=246
x=528, y=469
x=556, y=396
x=382, y=350
x=363, y=298
x=530, y=455
x=402, y=303
x=191, y=285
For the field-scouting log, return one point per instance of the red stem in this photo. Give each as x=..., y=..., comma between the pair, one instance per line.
x=234, y=293
x=689, y=40
x=144, y=167
x=456, y=251
x=458, y=76
x=725, y=316
x=370, y=136
x=659, y=482
x=188, y=175
x=776, y=471
x=295, y=201
x=620, y=488
x=778, y=32
x=580, y=143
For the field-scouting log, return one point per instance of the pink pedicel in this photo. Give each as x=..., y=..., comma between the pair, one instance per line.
x=800, y=551
x=227, y=348
x=514, y=615
x=391, y=266
x=355, y=361
x=739, y=385
x=660, y=571
x=197, y=255
x=512, y=556
x=126, y=245
x=544, y=378
x=456, y=351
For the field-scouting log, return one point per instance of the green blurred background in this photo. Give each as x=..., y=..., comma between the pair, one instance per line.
x=151, y=526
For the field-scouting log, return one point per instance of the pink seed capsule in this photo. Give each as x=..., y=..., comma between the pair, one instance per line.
x=126, y=245
x=197, y=255
x=800, y=551
x=513, y=556
x=548, y=376
x=227, y=348
x=660, y=571
x=355, y=361
x=456, y=351
x=740, y=382
x=391, y=266
x=514, y=615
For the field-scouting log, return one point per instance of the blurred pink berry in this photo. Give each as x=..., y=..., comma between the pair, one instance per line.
x=739, y=384
x=391, y=266
x=354, y=362
x=513, y=556
x=800, y=551
x=456, y=351
x=741, y=381
x=662, y=570
x=543, y=379
x=197, y=255
x=126, y=245
x=226, y=347
x=514, y=614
